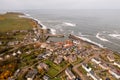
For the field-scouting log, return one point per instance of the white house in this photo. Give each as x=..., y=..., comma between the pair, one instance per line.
x=115, y=73
x=0, y=43
x=86, y=67
x=1, y=58
x=70, y=75
x=110, y=57
x=19, y=52
x=117, y=64
x=104, y=66
x=97, y=61
x=45, y=77
x=93, y=76
x=14, y=54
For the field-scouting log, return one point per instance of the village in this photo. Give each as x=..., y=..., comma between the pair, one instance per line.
x=31, y=55
x=72, y=59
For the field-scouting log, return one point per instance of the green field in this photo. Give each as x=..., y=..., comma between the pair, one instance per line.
x=53, y=68
x=11, y=21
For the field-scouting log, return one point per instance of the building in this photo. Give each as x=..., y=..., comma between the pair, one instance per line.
x=93, y=76
x=19, y=52
x=95, y=60
x=16, y=72
x=9, y=78
x=1, y=58
x=70, y=75
x=31, y=74
x=72, y=58
x=7, y=56
x=68, y=43
x=115, y=73
x=86, y=67
x=110, y=57
x=40, y=56
x=58, y=60
x=14, y=54
x=46, y=78
x=117, y=64
x=43, y=45
x=0, y=43
x=42, y=66
x=104, y=66
x=11, y=43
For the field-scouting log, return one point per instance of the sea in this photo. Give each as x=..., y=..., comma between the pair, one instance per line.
x=101, y=27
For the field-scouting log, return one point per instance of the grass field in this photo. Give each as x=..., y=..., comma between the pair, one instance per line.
x=11, y=21
x=53, y=68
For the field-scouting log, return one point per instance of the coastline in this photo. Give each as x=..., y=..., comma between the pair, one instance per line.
x=36, y=20
x=51, y=31
x=35, y=51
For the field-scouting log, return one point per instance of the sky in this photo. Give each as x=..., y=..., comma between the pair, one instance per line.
x=58, y=4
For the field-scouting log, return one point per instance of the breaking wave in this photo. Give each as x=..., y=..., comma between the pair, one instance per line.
x=100, y=38
x=53, y=31
x=88, y=40
x=117, y=36
x=28, y=16
x=69, y=24
x=82, y=34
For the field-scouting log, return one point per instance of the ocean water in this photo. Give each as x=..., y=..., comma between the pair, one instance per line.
x=101, y=27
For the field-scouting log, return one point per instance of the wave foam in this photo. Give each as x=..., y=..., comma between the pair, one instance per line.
x=53, y=31
x=100, y=38
x=88, y=40
x=28, y=16
x=117, y=36
x=69, y=24
x=82, y=34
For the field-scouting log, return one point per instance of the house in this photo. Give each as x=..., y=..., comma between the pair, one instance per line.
x=34, y=39
x=86, y=67
x=117, y=64
x=104, y=66
x=44, y=56
x=16, y=72
x=58, y=60
x=110, y=57
x=31, y=74
x=42, y=66
x=96, y=60
x=59, y=44
x=11, y=43
x=115, y=73
x=40, y=56
x=9, y=78
x=68, y=43
x=93, y=76
x=70, y=75
x=43, y=45
x=19, y=52
x=72, y=58
x=0, y=43
x=7, y=56
x=46, y=78
x=1, y=58
x=14, y=54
